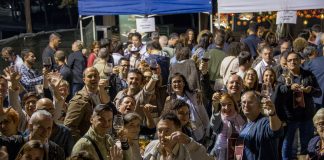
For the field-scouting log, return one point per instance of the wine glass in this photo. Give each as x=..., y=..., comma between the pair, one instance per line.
x=219, y=85
x=153, y=64
x=118, y=122
x=108, y=69
x=206, y=58
x=266, y=91
x=47, y=62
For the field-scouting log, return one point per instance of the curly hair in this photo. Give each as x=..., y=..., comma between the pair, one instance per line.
x=299, y=44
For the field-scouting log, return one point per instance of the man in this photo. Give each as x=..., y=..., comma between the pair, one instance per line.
x=245, y=62
x=295, y=104
x=30, y=77
x=60, y=134
x=82, y=104
x=96, y=141
x=218, y=37
x=316, y=67
x=141, y=94
x=252, y=40
x=77, y=64
x=216, y=56
x=118, y=79
x=9, y=55
x=54, y=42
x=284, y=45
x=40, y=127
x=137, y=45
x=267, y=61
x=316, y=31
x=173, y=40
x=260, y=134
x=172, y=143
x=62, y=67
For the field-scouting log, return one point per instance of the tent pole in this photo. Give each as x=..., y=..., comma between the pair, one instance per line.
x=219, y=21
x=211, y=22
x=81, y=28
x=233, y=22
x=199, y=22
x=94, y=28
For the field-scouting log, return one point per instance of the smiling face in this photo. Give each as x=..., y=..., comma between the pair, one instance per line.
x=102, y=122
x=234, y=85
x=268, y=77
x=250, y=78
x=134, y=80
x=250, y=105
x=178, y=85
x=91, y=79
x=127, y=105
x=228, y=107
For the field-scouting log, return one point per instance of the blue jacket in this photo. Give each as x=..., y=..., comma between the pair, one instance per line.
x=252, y=42
x=316, y=67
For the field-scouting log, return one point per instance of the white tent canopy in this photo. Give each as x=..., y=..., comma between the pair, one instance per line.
x=241, y=6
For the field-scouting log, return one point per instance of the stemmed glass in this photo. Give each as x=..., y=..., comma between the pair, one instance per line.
x=153, y=64
x=118, y=122
x=47, y=62
x=266, y=91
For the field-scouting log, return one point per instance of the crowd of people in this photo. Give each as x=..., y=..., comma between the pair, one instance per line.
x=182, y=96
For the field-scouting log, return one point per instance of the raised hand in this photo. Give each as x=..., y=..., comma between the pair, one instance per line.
x=116, y=153
x=268, y=107
x=180, y=137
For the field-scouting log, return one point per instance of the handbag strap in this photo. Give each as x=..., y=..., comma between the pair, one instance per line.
x=228, y=66
x=95, y=146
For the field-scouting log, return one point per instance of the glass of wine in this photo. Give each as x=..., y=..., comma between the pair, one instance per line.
x=108, y=69
x=47, y=62
x=219, y=86
x=153, y=64
x=118, y=122
x=206, y=58
x=266, y=91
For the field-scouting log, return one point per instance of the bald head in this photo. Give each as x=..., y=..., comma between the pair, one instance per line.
x=45, y=104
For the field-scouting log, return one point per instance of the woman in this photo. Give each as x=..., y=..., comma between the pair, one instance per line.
x=250, y=80
x=271, y=39
x=198, y=114
x=32, y=150
x=269, y=77
x=225, y=123
x=316, y=145
x=131, y=130
x=94, y=53
x=190, y=37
